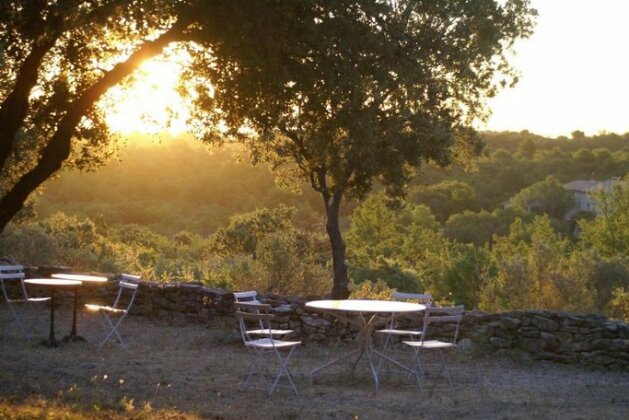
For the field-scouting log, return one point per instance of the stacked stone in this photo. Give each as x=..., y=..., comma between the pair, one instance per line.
x=182, y=302
x=538, y=335
x=556, y=336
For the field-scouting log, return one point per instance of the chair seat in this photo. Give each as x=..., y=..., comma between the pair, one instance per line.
x=39, y=299
x=430, y=344
x=393, y=331
x=30, y=299
x=109, y=309
x=266, y=331
x=267, y=343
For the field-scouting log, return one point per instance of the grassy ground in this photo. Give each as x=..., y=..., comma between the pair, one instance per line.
x=194, y=371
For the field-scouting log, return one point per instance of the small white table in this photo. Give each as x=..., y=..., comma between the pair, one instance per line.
x=367, y=310
x=83, y=278
x=52, y=284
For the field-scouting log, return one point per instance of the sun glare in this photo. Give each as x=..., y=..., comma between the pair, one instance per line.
x=151, y=103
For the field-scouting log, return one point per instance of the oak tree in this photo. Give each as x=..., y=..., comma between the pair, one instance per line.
x=346, y=93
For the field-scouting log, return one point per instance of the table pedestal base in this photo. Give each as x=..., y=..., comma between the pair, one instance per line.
x=73, y=338
x=366, y=348
x=50, y=343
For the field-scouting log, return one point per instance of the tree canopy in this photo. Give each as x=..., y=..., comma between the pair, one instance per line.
x=341, y=93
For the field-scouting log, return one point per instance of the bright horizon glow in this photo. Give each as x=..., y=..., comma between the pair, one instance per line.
x=573, y=77
x=573, y=72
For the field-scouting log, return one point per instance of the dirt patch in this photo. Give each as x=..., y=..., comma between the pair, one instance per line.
x=198, y=370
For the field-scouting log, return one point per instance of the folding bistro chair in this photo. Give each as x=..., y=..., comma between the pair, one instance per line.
x=251, y=296
x=393, y=332
x=127, y=289
x=261, y=346
x=20, y=304
x=451, y=315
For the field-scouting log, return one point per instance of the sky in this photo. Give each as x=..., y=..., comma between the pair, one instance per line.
x=574, y=71
x=574, y=76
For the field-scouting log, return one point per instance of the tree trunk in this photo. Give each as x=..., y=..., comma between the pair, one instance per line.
x=340, y=289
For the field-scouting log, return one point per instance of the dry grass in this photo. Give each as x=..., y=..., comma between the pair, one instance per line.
x=192, y=371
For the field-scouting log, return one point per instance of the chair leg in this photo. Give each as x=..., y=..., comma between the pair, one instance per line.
x=444, y=367
x=113, y=331
x=16, y=318
x=417, y=361
x=25, y=317
x=385, y=347
x=283, y=371
x=258, y=360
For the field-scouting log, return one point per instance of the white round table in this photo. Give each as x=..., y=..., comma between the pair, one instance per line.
x=52, y=284
x=367, y=311
x=83, y=278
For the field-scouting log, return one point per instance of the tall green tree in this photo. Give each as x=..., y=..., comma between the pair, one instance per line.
x=348, y=92
x=544, y=197
x=608, y=233
x=446, y=198
x=538, y=268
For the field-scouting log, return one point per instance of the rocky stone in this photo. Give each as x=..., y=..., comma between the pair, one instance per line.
x=315, y=322
x=500, y=343
x=283, y=309
x=529, y=331
x=545, y=324
x=603, y=359
x=619, y=345
x=532, y=345
x=510, y=323
x=466, y=346
x=317, y=337
x=508, y=335
x=555, y=357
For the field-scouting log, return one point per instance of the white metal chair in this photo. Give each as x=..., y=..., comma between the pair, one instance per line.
x=20, y=304
x=251, y=296
x=261, y=346
x=127, y=289
x=392, y=332
x=434, y=315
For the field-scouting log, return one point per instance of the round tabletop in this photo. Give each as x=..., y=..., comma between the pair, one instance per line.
x=53, y=282
x=374, y=306
x=80, y=277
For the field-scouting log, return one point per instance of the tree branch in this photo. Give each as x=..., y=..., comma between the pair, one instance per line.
x=15, y=106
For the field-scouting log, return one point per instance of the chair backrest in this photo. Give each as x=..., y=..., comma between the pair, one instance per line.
x=128, y=285
x=424, y=298
x=12, y=273
x=248, y=296
x=252, y=311
x=452, y=314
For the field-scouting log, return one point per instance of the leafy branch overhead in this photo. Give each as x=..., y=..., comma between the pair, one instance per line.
x=357, y=90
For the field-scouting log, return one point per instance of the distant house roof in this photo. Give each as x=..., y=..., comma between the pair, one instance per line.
x=581, y=185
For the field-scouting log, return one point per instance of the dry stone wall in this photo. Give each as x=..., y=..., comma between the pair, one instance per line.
x=537, y=335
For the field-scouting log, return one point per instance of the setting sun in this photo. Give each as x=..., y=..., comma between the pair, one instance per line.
x=150, y=103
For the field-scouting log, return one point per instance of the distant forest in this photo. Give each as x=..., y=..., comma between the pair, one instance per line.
x=180, y=185
x=180, y=212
